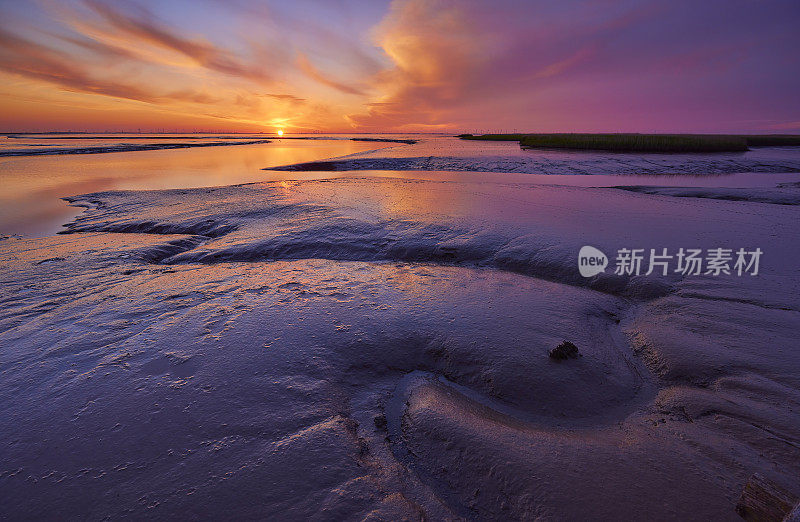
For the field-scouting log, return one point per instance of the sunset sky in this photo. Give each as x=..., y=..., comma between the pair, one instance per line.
x=404, y=65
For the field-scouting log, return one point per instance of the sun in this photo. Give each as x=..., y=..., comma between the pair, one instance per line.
x=280, y=132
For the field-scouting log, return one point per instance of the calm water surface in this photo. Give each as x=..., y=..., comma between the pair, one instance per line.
x=31, y=186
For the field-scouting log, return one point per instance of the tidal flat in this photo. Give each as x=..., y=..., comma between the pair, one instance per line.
x=373, y=341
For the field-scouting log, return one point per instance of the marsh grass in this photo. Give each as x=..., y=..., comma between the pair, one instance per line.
x=636, y=142
x=773, y=140
x=643, y=142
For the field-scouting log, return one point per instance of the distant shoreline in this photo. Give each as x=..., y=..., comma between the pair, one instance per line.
x=120, y=148
x=130, y=147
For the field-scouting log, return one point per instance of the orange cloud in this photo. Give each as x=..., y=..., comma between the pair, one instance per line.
x=436, y=57
x=286, y=97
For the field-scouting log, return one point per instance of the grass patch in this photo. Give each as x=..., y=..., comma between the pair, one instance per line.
x=636, y=142
x=644, y=142
x=773, y=140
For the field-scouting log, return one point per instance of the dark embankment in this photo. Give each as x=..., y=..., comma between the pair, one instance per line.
x=387, y=140
x=406, y=141
x=493, y=137
x=644, y=142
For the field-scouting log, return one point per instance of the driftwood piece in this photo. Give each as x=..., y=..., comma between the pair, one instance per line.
x=764, y=501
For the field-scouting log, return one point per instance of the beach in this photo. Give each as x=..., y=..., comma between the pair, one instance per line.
x=369, y=338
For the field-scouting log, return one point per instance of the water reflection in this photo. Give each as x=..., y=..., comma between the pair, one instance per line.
x=32, y=186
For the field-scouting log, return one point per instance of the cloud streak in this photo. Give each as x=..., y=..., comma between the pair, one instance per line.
x=145, y=28
x=315, y=74
x=28, y=59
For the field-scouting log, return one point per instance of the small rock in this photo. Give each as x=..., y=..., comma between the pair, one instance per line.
x=380, y=422
x=565, y=350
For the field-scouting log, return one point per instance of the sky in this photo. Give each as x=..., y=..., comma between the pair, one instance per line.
x=400, y=65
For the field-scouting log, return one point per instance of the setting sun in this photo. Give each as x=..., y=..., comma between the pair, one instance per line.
x=280, y=132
